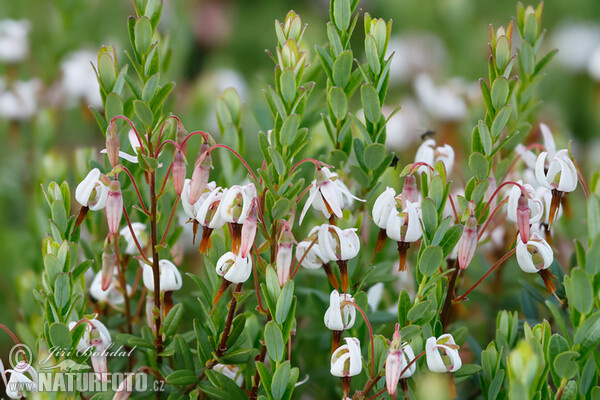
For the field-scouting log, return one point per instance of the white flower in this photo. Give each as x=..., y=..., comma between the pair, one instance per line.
x=576, y=42
x=414, y=54
x=340, y=316
x=170, y=277
x=14, y=46
x=535, y=255
x=20, y=101
x=441, y=102
x=79, y=80
x=398, y=358
x=560, y=174
x=545, y=196
x=346, y=360
x=338, y=244
x=383, y=207
x=328, y=194
x=139, y=229
x=91, y=192
x=448, y=347
x=18, y=380
x=529, y=157
x=231, y=371
x=234, y=268
x=374, y=295
x=208, y=213
x=95, y=335
x=235, y=204
x=111, y=295
x=314, y=259
x=429, y=154
x=135, y=145
x=536, y=208
x=405, y=226
x=191, y=210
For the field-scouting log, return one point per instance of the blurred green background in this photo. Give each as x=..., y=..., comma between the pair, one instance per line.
x=217, y=44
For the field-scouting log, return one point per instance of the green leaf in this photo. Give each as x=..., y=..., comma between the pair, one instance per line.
x=334, y=40
x=278, y=162
x=59, y=216
x=80, y=270
x=500, y=92
x=52, y=266
x=172, y=320
x=450, y=239
x=60, y=335
x=342, y=69
x=274, y=341
x=374, y=154
x=287, y=82
x=485, y=137
x=404, y=304
x=182, y=377
x=338, y=104
x=143, y=35
x=289, y=129
x=479, y=166
x=284, y=302
x=372, y=54
x=592, y=258
x=62, y=290
x=342, y=14
x=143, y=112
x=370, y=103
x=281, y=208
x=430, y=260
x=280, y=380
x=500, y=121
x=429, y=216
x=588, y=333
x=106, y=70
x=114, y=105
x=565, y=365
x=579, y=290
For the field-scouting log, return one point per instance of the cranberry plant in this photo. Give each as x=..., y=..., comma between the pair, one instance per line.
x=258, y=289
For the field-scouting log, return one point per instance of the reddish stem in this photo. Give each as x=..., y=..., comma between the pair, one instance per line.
x=498, y=190
x=135, y=186
x=164, y=184
x=14, y=338
x=162, y=241
x=135, y=239
x=158, y=140
x=498, y=207
x=299, y=263
x=132, y=127
x=317, y=163
x=420, y=164
x=214, y=146
x=453, y=207
x=496, y=265
x=372, y=360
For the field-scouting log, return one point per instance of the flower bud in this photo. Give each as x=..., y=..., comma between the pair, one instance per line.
x=114, y=207
x=523, y=218
x=284, y=254
x=109, y=262
x=249, y=228
x=346, y=359
x=178, y=172
x=180, y=136
x=467, y=244
x=125, y=388
x=112, y=144
x=449, y=360
x=201, y=173
x=341, y=314
x=99, y=363
x=398, y=358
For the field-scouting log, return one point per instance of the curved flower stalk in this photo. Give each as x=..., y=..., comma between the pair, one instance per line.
x=524, y=208
x=209, y=217
x=429, y=154
x=339, y=245
x=19, y=380
x=536, y=256
x=95, y=335
x=448, y=348
x=201, y=173
x=234, y=209
x=557, y=174
x=405, y=228
x=139, y=230
x=113, y=151
x=328, y=194
x=398, y=359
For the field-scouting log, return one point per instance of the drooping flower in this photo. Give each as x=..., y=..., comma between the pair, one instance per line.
x=19, y=381
x=191, y=209
x=91, y=192
x=179, y=171
x=405, y=228
x=314, y=259
x=467, y=244
x=346, y=360
x=341, y=314
x=209, y=216
x=234, y=209
x=114, y=207
x=125, y=388
x=112, y=295
x=95, y=335
x=449, y=359
x=328, y=194
x=14, y=46
x=201, y=173
x=339, y=245
x=559, y=175
x=139, y=230
x=398, y=358
x=283, y=260
x=537, y=256
x=524, y=209
x=169, y=276
x=429, y=154
x=249, y=228
x=79, y=81
x=233, y=268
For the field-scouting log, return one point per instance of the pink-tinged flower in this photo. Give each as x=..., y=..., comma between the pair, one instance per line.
x=149, y=308
x=467, y=244
x=545, y=196
x=284, y=254
x=346, y=360
x=430, y=155
x=109, y=263
x=191, y=209
x=524, y=209
x=178, y=171
x=233, y=372
x=445, y=345
x=314, y=259
x=91, y=192
x=328, y=194
x=135, y=145
x=18, y=380
x=405, y=228
x=95, y=335
x=169, y=276
x=535, y=255
x=529, y=156
x=125, y=388
x=233, y=268
x=139, y=230
x=209, y=216
x=558, y=174
x=410, y=194
x=234, y=209
x=338, y=244
x=249, y=228
x=341, y=314
x=398, y=358
x=201, y=173
x=112, y=295
x=112, y=144
x=114, y=207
